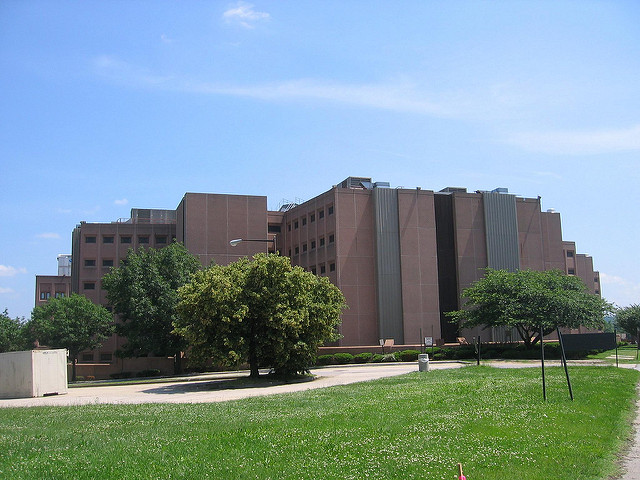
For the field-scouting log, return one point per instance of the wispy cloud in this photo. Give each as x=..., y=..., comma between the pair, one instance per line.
x=123, y=201
x=243, y=14
x=579, y=142
x=4, y=290
x=48, y=235
x=622, y=290
x=9, y=271
x=166, y=39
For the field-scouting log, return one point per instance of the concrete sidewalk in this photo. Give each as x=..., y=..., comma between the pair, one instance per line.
x=210, y=388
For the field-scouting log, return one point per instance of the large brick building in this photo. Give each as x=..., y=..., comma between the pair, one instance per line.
x=401, y=256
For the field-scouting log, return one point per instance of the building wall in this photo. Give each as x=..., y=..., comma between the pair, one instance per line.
x=51, y=286
x=207, y=222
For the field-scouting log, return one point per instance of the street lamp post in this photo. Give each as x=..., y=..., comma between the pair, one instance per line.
x=236, y=242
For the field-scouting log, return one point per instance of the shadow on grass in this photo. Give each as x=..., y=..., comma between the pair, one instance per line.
x=227, y=384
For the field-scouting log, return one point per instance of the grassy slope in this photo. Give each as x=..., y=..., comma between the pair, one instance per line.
x=413, y=427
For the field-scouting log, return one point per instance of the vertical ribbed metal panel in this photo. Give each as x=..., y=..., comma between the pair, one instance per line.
x=388, y=275
x=501, y=228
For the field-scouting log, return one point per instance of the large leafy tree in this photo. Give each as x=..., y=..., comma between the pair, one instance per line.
x=263, y=311
x=12, y=333
x=74, y=323
x=628, y=319
x=527, y=300
x=143, y=292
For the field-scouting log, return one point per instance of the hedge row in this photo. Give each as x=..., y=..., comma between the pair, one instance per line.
x=463, y=352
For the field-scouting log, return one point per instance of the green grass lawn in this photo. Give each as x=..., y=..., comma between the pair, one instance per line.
x=417, y=426
x=626, y=354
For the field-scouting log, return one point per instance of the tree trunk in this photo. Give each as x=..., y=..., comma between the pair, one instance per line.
x=177, y=363
x=74, y=360
x=253, y=357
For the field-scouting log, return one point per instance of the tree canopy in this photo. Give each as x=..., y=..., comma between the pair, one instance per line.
x=143, y=292
x=12, y=337
x=628, y=319
x=527, y=300
x=263, y=311
x=74, y=323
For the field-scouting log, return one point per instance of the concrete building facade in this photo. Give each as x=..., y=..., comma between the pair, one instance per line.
x=402, y=257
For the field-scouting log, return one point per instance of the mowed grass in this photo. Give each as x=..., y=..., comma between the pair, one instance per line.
x=626, y=354
x=417, y=426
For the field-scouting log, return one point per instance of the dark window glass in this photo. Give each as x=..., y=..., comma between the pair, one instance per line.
x=313, y=244
x=106, y=357
x=304, y=247
x=295, y=224
x=126, y=239
x=323, y=269
x=144, y=239
x=90, y=239
x=297, y=250
x=89, y=286
x=569, y=253
x=274, y=229
x=107, y=263
x=107, y=239
x=89, y=262
x=332, y=238
x=312, y=217
x=161, y=239
x=304, y=221
x=571, y=271
x=332, y=267
x=321, y=214
x=322, y=241
x=330, y=209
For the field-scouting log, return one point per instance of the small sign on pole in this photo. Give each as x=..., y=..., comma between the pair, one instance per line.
x=428, y=341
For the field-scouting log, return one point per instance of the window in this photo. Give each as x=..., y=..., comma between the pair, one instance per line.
x=161, y=239
x=143, y=239
x=322, y=241
x=107, y=239
x=313, y=269
x=312, y=217
x=274, y=229
x=289, y=252
x=332, y=267
x=323, y=269
x=295, y=224
x=87, y=357
x=89, y=262
x=596, y=279
x=304, y=247
x=304, y=221
x=597, y=292
x=571, y=271
x=107, y=263
x=297, y=250
x=90, y=239
x=59, y=294
x=313, y=244
x=125, y=239
x=106, y=357
x=288, y=227
x=330, y=209
x=332, y=238
x=89, y=285
x=569, y=253
x=321, y=214
x=45, y=295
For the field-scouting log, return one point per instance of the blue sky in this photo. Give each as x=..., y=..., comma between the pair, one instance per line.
x=105, y=106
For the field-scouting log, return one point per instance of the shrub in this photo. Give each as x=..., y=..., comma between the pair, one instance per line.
x=152, y=372
x=91, y=378
x=363, y=357
x=342, y=358
x=389, y=357
x=120, y=375
x=407, y=355
x=377, y=358
x=324, y=360
x=79, y=378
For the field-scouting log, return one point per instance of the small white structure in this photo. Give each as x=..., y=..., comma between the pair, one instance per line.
x=33, y=373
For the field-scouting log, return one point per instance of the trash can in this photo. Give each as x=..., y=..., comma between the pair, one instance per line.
x=423, y=362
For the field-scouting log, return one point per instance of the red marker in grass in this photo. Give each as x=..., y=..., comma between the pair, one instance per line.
x=460, y=474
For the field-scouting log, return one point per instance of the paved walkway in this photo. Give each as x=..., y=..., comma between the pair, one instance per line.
x=209, y=388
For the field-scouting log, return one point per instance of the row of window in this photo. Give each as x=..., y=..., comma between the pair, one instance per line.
x=323, y=268
x=143, y=239
x=305, y=246
x=47, y=295
x=91, y=262
x=311, y=217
